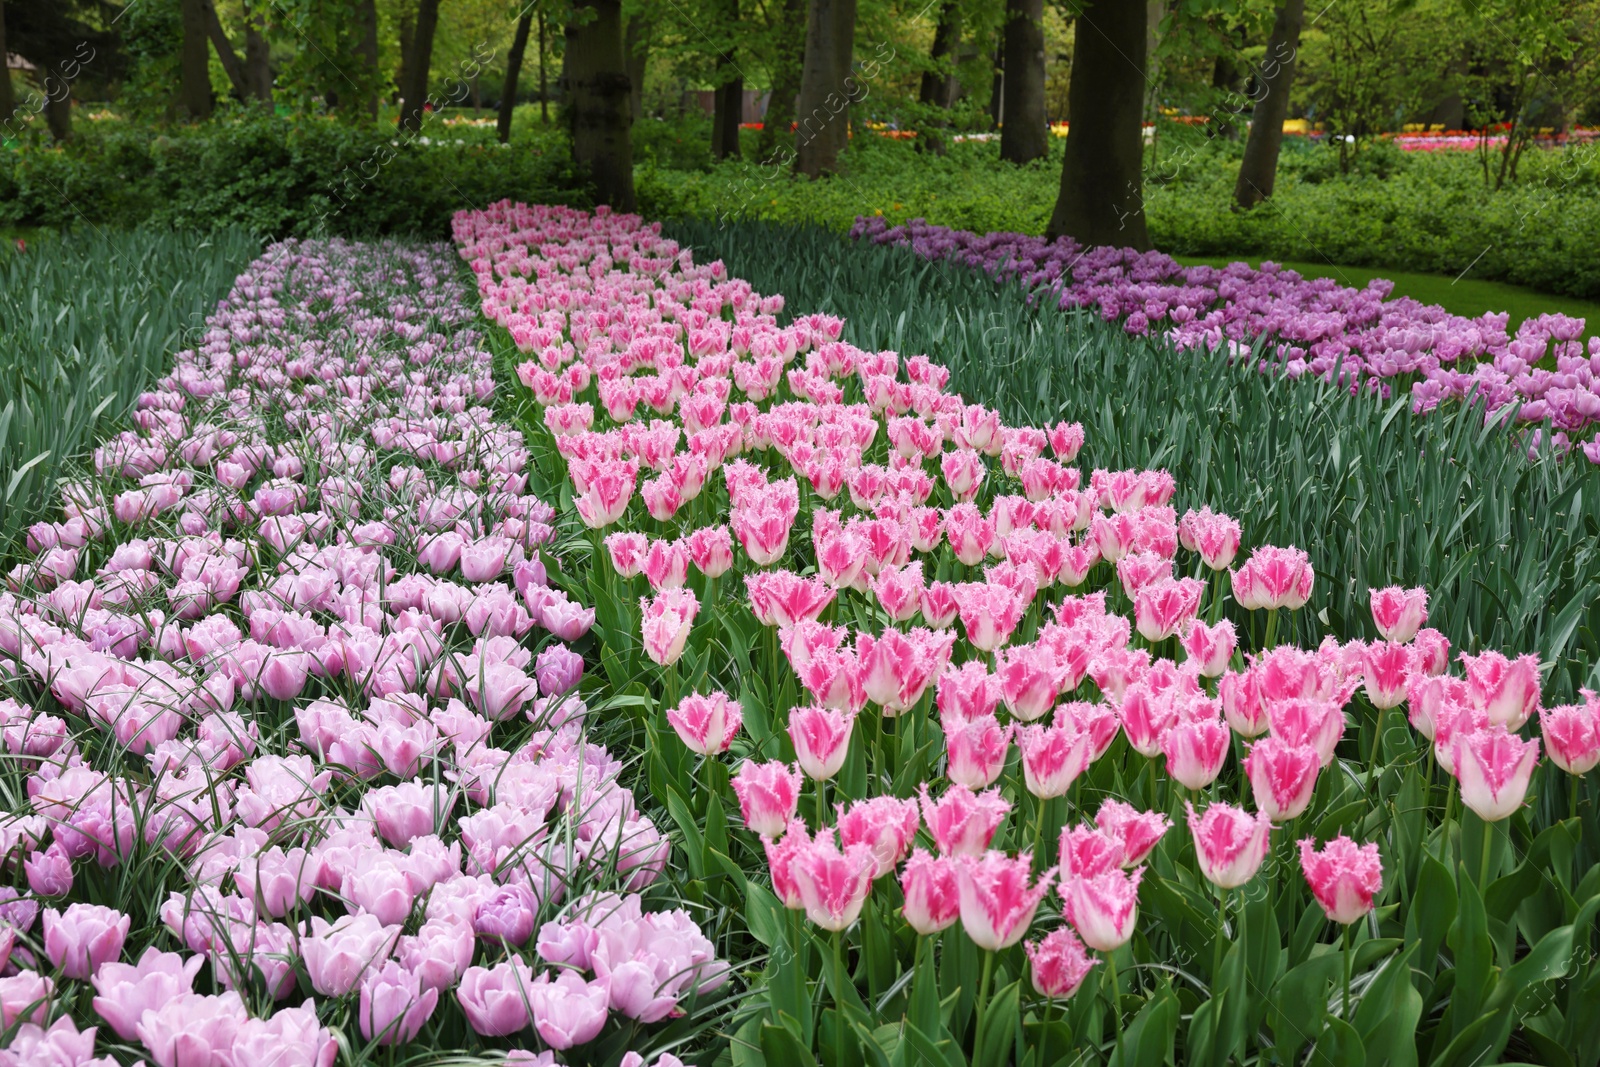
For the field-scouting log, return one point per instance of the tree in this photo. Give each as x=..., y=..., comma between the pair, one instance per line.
x=508, y=92
x=938, y=88
x=728, y=108
x=8, y=96
x=596, y=93
x=636, y=47
x=194, y=84
x=1024, y=134
x=414, y=86
x=257, y=58
x=1101, y=201
x=225, y=53
x=366, y=49
x=826, y=87
x=788, y=56
x=1259, y=169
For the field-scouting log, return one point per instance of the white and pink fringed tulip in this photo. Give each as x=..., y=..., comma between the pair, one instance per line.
x=932, y=892
x=768, y=795
x=668, y=617
x=1059, y=964
x=706, y=724
x=1399, y=613
x=1283, y=777
x=821, y=739
x=1343, y=876
x=1273, y=578
x=998, y=897
x=1572, y=734
x=833, y=884
x=1103, y=908
x=1229, y=843
x=1494, y=767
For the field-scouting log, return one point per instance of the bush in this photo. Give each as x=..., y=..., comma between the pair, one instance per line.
x=280, y=176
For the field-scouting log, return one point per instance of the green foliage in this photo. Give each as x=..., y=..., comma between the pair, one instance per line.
x=86, y=321
x=1507, y=547
x=280, y=176
x=1432, y=213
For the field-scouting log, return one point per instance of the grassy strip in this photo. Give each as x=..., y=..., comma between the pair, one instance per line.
x=1509, y=548
x=86, y=322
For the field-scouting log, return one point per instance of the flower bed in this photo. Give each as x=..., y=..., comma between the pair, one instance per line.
x=975, y=679
x=298, y=760
x=1314, y=328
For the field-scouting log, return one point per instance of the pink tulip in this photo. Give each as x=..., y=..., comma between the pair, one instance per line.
x=783, y=598
x=781, y=854
x=1432, y=650
x=283, y=675
x=998, y=897
x=567, y=1011
x=1273, y=578
x=393, y=1005
x=84, y=937
x=496, y=999
x=408, y=811
x=627, y=551
x=768, y=795
x=884, y=824
x=1431, y=699
x=963, y=823
x=1343, y=876
x=821, y=738
x=833, y=884
x=1494, y=767
x=1215, y=537
x=1572, y=734
x=665, y=564
x=49, y=871
x=899, y=591
x=1059, y=964
x=191, y=1030
x=897, y=668
x=1507, y=690
x=706, y=724
x=1318, y=723
x=1209, y=648
x=606, y=497
x=1229, y=843
x=711, y=550
x=667, y=620
x=1103, y=908
x=25, y=996
x=841, y=558
x=124, y=991
x=565, y=619
x=932, y=892
x=337, y=954
x=1242, y=703
x=1052, y=757
x=1283, y=776
x=977, y=751
x=1387, y=667
x=1030, y=680
x=507, y=915
x=292, y=1037
x=1137, y=832
x=1196, y=750
x=62, y=1045
x=1166, y=607
x=1399, y=613
x=939, y=607
x=967, y=693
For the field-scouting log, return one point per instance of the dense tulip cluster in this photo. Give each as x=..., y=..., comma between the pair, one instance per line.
x=290, y=673
x=969, y=619
x=1315, y=327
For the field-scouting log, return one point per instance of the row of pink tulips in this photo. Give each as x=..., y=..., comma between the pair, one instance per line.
x=651, y=374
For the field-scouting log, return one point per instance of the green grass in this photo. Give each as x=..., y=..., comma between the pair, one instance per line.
x=87, y=320
x=1466, y=296
x=1509, y=549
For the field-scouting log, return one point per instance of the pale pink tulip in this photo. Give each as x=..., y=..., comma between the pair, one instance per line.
x=668, y=618
x=1283, y=776
x=1399, y=613
x=1343, y=876
x=768, y=795
x=1572, y=734
x=1494, y=767
x=998, y=897
x=706, y=724
x=932, y=892
x=821, y=738
x=1229, y=843
x=1103, y=908
x=833, y=885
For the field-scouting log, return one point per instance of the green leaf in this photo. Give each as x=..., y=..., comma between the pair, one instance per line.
x=1474, y=955
x=1300, y=1003
x=783, y=1049
x=1429, y=919
x=1148, y=1040
x=1339, y=1046
x=998, y=1027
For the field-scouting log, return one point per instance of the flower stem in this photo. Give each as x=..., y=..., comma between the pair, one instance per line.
x=1344, y=1009
x=983, y=1001
x=1038, y=831
x=838, y=998
x=1272, y=629
x=1377, y=749
x=1488, y=851
x=822, y=805
x=1115, y=1000
x=1222, y=937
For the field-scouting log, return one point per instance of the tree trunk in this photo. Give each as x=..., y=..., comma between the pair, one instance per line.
x=1024, y=134
x=1259, y=169
x=407, y=27
x=1225, y=90
x=508, y=92
x=366, y=49
x=414, y=87
x=826, y=87
x=788, y=57
x=225, y=52
x=728, y=103
x=1102, y=200
x=8, y=95
x=939, y=84
x=257, y=60
x=596, y=97
x=57, y=104
x=636, y=46
x=194, y=81
x=544, y=82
